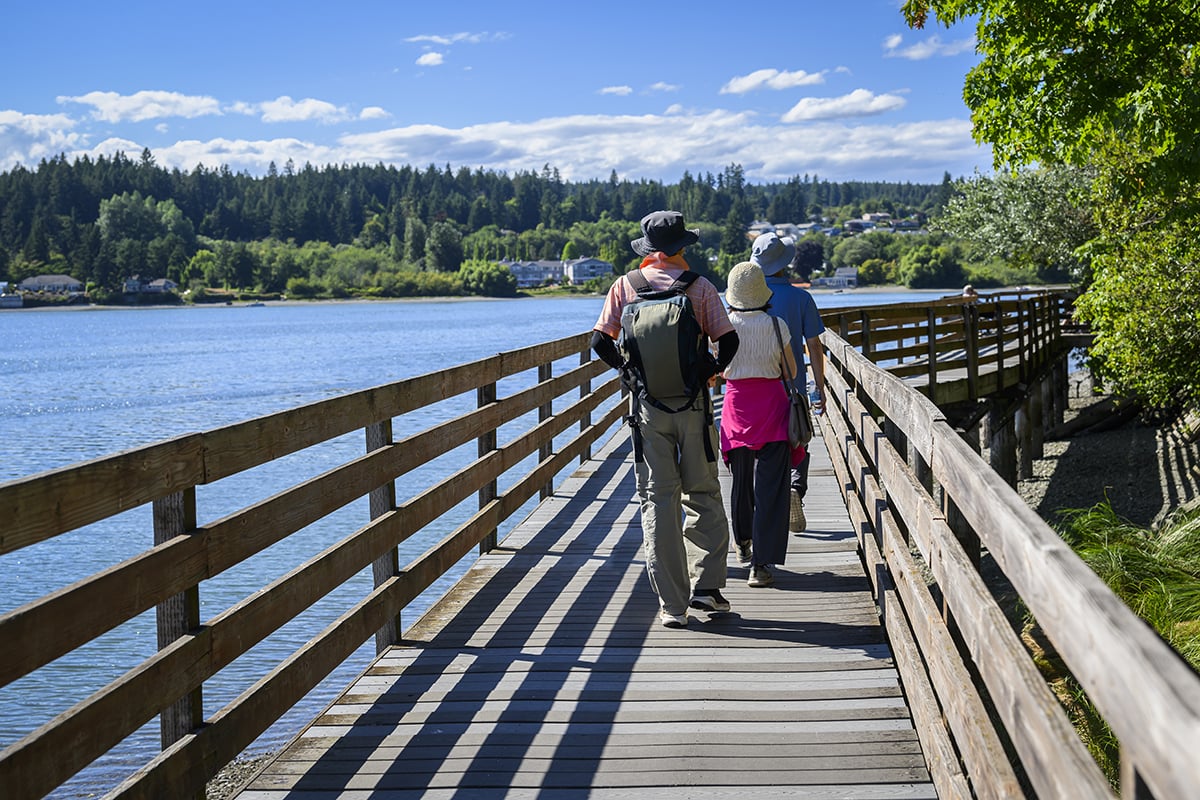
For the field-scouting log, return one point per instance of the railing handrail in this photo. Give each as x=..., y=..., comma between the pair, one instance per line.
x=896, y=450
x=188, y=552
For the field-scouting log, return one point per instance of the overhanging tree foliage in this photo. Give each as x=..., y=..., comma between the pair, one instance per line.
x=1113, y=87
x=1034, y=218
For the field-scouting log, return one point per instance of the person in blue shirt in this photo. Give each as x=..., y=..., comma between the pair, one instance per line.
x=797, y=308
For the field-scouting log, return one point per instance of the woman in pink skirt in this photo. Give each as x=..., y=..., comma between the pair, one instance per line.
x=754, y=426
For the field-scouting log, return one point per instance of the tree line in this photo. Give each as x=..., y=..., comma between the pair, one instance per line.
x=338, y=228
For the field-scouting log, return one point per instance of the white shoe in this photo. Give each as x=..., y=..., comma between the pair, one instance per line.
x=670, y=620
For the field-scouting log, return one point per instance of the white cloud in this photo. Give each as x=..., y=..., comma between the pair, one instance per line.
x=285, y=109
x=664, y=146
x=373, y=112
x=859, y=103
x=662, y=86
x=28, y=138
x=582, y=147
x=252, y=156
x=141, y=106
x=771, y=79
x=456, y=38
x=933, y=46
x=431, y=59
x=617, y=90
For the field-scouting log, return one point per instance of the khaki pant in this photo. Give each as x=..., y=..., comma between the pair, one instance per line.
x=685, y=533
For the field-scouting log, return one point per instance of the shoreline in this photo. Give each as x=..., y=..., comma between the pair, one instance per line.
x=882, y=289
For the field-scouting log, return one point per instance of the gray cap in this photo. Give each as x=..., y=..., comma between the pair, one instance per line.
x=772, y=252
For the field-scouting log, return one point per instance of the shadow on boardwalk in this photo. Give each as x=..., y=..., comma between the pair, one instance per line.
x=545, y=673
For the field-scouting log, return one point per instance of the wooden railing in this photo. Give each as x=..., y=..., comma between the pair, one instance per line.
x=928, y=510
x=953, y=351
x=185, y=553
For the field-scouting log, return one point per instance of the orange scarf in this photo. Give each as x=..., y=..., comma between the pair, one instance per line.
x=660, y=260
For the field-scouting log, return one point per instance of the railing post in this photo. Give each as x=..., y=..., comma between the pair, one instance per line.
x=1024, y=431
x=999, y=321
x=175, y=515
x=865, y=323
x=971, y=346
x=382, y=500
x=1037, y=421
x=1024, y=313
x=584, y=390
x=1002, y=443
x=545, y=412
x=931, y=337
x=486, y=395
x=1059, y=390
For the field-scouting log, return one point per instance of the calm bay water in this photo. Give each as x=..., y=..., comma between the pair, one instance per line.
x=79, y=384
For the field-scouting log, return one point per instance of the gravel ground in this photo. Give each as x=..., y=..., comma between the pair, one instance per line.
x=235, y=775
x=1145, y=470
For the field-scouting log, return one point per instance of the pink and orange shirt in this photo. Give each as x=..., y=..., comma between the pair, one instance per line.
x=661, y=271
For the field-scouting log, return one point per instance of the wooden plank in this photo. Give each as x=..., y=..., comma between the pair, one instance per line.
x=45, y=505
x=240, y=446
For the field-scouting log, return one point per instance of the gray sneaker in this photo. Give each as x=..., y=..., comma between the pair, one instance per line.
x=796, y=520
x=745, y=552
x=760, y=576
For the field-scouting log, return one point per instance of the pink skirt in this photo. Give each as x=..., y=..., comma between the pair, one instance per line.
x=755, y=413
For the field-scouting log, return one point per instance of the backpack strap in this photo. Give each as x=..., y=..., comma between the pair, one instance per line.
x=644, y=290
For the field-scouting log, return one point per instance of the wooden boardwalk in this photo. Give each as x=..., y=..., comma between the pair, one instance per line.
x=544, y=673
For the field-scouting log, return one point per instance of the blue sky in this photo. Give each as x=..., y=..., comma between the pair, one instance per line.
x=844, y=92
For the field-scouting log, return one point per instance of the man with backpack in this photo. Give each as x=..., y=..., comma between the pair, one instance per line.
x=665, y=316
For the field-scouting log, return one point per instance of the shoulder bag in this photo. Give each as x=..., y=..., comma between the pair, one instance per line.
x=800, y=423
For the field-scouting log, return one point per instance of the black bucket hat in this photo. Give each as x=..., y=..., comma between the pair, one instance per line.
x=663, y=231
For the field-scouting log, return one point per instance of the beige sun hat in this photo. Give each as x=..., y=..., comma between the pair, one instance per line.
x=747, y=288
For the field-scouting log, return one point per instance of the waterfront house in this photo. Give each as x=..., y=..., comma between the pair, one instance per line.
x=9, y=300
x=531, y=274
x=160, y=286
x=843, y=278
x=581, y=270
x=53, y=284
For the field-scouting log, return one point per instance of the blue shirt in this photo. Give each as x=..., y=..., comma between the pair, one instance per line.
x=797, y=308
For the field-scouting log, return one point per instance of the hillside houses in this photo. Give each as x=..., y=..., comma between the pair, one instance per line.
x=576, y=271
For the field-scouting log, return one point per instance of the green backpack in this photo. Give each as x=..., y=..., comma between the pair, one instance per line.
x=664, y=344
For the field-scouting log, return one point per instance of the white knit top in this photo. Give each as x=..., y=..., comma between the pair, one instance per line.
x=758, y=354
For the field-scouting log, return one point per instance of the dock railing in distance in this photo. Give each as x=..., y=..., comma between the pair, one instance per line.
x=185, y=552
x=924, y=504
x=996, y=341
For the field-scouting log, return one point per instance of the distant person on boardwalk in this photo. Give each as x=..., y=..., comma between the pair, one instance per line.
x=754, y=425
x=684, y=528
x=797, y=308
x=970, y=299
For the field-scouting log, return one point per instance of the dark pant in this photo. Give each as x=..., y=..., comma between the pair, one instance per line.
x=800, y=476
x=760, y=501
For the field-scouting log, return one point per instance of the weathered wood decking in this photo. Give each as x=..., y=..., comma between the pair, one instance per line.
x=544, y=673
